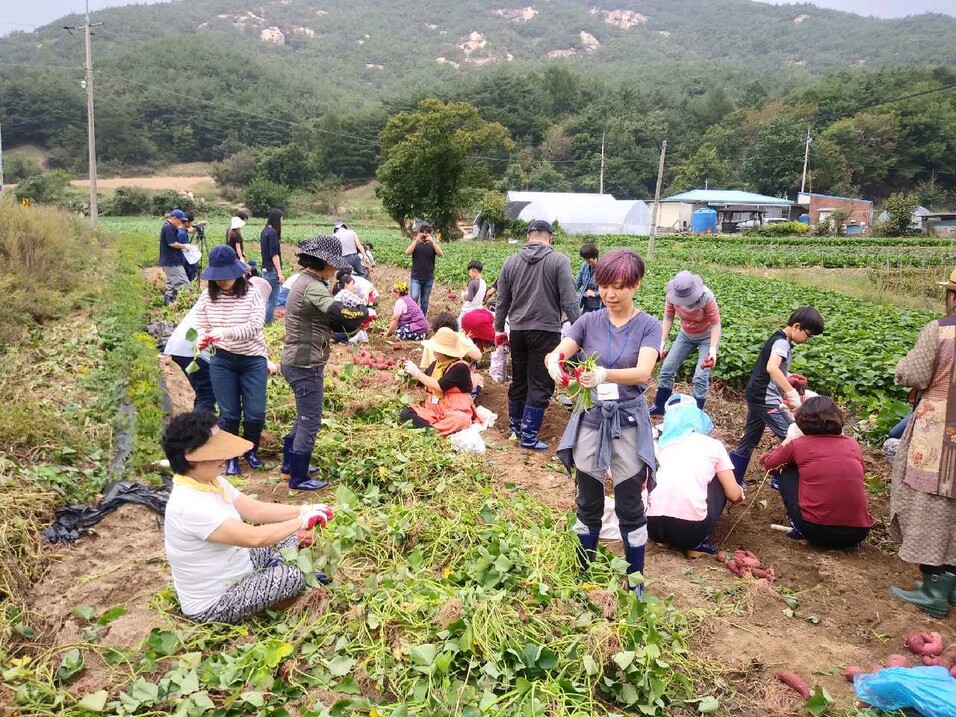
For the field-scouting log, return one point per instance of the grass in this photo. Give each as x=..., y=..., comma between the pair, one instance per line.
x=912, y=288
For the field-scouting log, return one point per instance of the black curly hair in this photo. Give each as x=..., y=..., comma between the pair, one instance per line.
x=184, y=434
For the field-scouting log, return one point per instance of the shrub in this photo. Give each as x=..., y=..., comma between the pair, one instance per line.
x=130, y=201
x=48, y=188
x=19, y=168
x=168, y=199
x=42, y=251
x=323, y=200
x=261, y=194
x=778, y=229
x=899, y=210
x=236, y=170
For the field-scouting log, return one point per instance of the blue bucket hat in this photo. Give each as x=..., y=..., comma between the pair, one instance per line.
x=224, y=264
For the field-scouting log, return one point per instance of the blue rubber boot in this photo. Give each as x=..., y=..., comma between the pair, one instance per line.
x=740, y=466
x=232, y=467
x=530, y=426
x=700, y=403
x=634, y=555
x=299, y=473
x=287, y=441
x=588, y=548
x=660, y=400
x=515, y=414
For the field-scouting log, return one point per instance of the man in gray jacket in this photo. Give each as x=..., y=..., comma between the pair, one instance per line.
x=534, y=288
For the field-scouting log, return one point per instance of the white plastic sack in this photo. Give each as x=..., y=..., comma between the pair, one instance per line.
x=468, y=440
x=610, y=528
x=499, y=364
x=486, y=418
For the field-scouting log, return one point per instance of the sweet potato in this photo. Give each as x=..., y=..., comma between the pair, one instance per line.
x=897, y=661
x=794, y=681
x=720, y=556
x=925, y=643
x=952, y=670
x=766, y=574
x=396, y=347
x=852, y=671
x=934, y=661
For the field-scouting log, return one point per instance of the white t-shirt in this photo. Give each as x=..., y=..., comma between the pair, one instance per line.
x=478, y=300
x=687, y=466
x=364, y=288
x=202, y=570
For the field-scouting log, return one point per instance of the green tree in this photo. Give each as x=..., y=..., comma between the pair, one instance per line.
x=429, y=160
x=899, y=208
x=260, y=195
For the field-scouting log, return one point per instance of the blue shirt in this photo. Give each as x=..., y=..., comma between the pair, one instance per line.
x=269, y=244
x=168, y=256
x=615, y=346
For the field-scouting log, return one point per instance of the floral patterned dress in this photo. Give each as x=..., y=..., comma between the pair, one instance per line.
x=923, y=496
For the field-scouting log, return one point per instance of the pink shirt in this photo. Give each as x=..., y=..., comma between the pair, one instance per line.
x=687, y=466
x=695, y=322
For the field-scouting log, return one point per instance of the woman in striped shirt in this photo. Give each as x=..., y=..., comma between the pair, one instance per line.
x=231, y=314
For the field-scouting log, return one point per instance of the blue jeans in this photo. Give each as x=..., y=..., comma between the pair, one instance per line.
x=760, y=416
x=239, y=383
x=899, y=428
x=308, y=385
x=199, y=380
x=272, y=276
x=682, y=347
x=420, y=290
x=355, y=261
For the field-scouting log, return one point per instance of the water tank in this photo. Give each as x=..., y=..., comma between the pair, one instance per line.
x=703, y=221
x=804, y=219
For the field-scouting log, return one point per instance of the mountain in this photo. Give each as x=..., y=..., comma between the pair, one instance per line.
x=201, y=78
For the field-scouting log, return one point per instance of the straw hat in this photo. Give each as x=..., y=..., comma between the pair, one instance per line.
x=447, y=342
x=951, y=284
x=221, y=446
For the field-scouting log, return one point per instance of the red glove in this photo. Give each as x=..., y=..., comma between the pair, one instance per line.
x=501, y=338
x=555, y=366
x=797, y=381
x=314, y=514
x=708, y=362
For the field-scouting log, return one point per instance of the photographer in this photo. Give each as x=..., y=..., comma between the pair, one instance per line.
x=192, y=254
x=423, y=250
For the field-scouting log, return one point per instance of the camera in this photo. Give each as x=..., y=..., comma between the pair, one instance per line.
x=200, y=230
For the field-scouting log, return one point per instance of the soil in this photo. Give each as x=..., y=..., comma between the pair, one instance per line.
x=844, y=613
x=196, y=184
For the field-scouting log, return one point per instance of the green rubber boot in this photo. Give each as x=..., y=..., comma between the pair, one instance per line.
x=918, y=585
x=933, y=596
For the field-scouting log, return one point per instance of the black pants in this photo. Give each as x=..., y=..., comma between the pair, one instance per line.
x=628, y=504
x=688, y=534
x=530, y=383
x=199, y=380
x=408, y=414
x=832, y=537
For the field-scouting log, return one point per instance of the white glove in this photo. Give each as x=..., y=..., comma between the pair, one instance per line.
x=411, y=369
x=272, y=367
x=593, y=378
x=792, y=399
x=312, y=514
x=556, y=370
x=372, y=313
x=219, y=333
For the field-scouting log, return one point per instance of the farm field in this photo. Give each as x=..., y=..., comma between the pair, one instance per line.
x=455, y=581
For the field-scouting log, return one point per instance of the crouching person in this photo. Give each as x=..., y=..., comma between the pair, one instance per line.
x=695, y=479
x=821, y=482
x=224, y=569
x=448, y=406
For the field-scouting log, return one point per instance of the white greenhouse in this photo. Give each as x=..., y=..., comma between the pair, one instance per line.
x=581, y=213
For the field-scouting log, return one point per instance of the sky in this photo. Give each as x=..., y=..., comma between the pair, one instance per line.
x=26, y=15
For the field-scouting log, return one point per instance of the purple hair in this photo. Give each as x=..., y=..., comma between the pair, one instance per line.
x=619, y=266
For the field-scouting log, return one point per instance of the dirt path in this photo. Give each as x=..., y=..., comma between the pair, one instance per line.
x=843, y=612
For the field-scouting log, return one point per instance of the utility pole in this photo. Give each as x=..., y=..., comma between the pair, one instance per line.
x=602, y=163
x=657, y=203
x=1, y=165
x=806, y=159
x=87, y=84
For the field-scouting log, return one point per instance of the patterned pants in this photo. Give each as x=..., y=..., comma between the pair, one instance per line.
x=272, y=582
x=405, y=334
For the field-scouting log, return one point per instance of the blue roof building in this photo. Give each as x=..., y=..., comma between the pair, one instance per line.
x=735, y=209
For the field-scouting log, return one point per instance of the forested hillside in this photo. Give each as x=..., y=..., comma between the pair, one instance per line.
x=732, y=84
